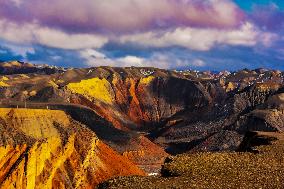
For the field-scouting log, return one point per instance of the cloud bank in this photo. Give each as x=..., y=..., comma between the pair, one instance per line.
x=86, y=28
x=124, y=15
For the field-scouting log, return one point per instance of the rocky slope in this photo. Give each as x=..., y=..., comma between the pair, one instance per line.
x=48, y=149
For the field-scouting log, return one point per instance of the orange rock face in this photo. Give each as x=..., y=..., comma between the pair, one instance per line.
x=147, y=155
x=61, y=154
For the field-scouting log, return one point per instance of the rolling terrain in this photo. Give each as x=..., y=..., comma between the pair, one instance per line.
x=137, y=116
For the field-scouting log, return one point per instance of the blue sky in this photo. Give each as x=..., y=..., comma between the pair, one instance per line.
x=248, y=5
x=171, y=34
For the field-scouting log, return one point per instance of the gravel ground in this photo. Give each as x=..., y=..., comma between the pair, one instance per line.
x=264, y=169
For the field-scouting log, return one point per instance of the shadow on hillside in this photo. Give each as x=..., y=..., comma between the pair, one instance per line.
x=252, y=139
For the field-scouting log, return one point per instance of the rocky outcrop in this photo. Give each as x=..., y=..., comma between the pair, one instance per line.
x=258, y=109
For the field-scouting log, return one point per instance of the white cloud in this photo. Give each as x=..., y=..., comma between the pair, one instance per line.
x=159, y=60
x=132, y=60
x=92, y=53
x=58, y=39
x=56, y=58
x=199, y=38
x=20, y=50
x=35, y=34
x=198, y=63
x=95, y=58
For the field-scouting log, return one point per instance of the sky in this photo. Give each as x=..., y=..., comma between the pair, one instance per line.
x=170, y=34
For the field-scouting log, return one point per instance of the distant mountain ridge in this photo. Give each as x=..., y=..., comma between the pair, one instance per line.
x=17, y=67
